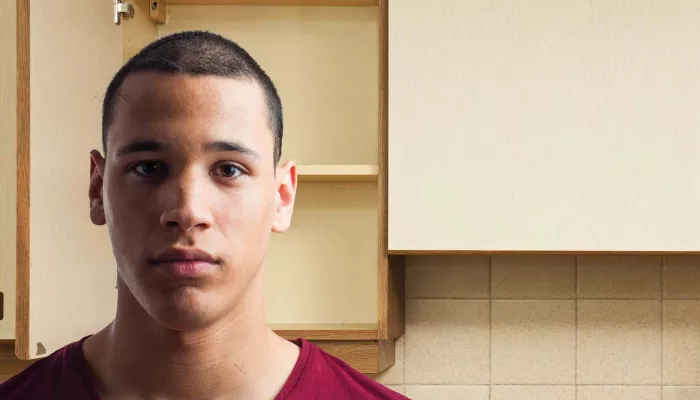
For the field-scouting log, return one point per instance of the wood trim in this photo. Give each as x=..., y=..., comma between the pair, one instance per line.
x=328, y=332
x=337, y=173
x=542, y=252
x=383, y=261
x=272, y=2
x=158, y=12
x=397, y=298
x=390, y=282
x=387, y=354
x=23, y=168
x=368, y=357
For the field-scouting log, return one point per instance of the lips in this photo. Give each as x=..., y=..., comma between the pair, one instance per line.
x=185, y=262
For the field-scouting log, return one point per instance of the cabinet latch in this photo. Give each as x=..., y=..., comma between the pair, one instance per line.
x=120, y=9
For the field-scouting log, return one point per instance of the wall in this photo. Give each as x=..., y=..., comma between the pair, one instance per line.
x=550, y=327
x=544, y=327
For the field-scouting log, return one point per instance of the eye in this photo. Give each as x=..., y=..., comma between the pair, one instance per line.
x=149, y=168
x=227, y=170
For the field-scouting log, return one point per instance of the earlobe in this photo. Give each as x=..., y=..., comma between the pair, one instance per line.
x=95, y=192
x=286, y=193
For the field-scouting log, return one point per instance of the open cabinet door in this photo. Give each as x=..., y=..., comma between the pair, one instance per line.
x=67, y=52
x=8, y=167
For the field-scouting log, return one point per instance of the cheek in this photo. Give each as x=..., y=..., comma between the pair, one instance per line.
x=245, y=212
x=245, y=220
x=126, y=222
x=127, y=203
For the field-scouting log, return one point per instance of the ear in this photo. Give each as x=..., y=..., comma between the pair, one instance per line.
x=97, y=168
x=286, y=180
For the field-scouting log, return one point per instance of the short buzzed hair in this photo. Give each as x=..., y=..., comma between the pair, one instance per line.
x=197, y=53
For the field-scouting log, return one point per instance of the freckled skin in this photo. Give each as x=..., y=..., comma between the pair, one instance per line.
x=182, y=195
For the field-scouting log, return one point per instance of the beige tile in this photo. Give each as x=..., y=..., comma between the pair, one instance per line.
x=682, y=277
x=681, y=393
x=619, y=393
x=682, y=342
x=447, y=277
x=619, y=342
x=396, y=388
x=533, y=392
x=394, y=375
x=533, y=342
x=447, y=342
x=533, y=277
x=446, y=392
x=619, y=277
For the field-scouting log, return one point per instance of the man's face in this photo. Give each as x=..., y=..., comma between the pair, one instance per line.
x=190, y=193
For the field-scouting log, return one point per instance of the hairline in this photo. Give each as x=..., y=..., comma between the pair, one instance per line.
x=127, y=73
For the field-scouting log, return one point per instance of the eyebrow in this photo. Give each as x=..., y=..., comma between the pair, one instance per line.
x=223, y=146
x=216, y=146
x=140, y=146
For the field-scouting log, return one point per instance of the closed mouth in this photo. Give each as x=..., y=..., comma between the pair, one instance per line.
x=181, y=254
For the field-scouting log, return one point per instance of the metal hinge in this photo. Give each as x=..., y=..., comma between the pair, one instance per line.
x=120, y=9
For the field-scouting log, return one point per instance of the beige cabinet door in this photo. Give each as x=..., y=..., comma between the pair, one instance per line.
x=8, y=167
x=544, y=126
x=67, y=53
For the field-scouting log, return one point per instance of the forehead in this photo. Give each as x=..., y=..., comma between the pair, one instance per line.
x=185, y=108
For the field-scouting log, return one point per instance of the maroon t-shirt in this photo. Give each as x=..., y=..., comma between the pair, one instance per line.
x=65, y=374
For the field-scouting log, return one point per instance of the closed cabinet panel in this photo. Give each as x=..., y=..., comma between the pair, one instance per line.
x=544, y=125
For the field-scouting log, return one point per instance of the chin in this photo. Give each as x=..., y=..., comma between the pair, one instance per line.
x=186, y=309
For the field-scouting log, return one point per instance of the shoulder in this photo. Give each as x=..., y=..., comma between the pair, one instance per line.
x=51, y=377
x=320, y=375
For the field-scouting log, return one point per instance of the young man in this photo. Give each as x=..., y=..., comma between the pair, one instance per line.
x=190, y=187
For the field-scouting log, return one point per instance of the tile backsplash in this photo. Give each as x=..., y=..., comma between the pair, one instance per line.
x=558, y=327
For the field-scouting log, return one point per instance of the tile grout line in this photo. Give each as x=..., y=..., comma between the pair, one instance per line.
x=576, y=327
x=490, y=323
x=403, y=367
x=405, y=309
x=663, y=272
x=549, y=298
x=631, y=385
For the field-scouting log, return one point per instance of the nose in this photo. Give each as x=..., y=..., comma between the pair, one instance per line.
x=186, y=205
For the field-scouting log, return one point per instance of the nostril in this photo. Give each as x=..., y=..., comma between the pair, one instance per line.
x=171, y=224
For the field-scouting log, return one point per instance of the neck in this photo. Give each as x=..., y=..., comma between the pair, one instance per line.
x=237, y=356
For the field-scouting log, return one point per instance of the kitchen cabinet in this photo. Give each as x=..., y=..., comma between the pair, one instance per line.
x=8, y=170
x=544, y=126
x=328, y=279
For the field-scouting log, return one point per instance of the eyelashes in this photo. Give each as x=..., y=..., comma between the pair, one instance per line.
x=154, y=169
